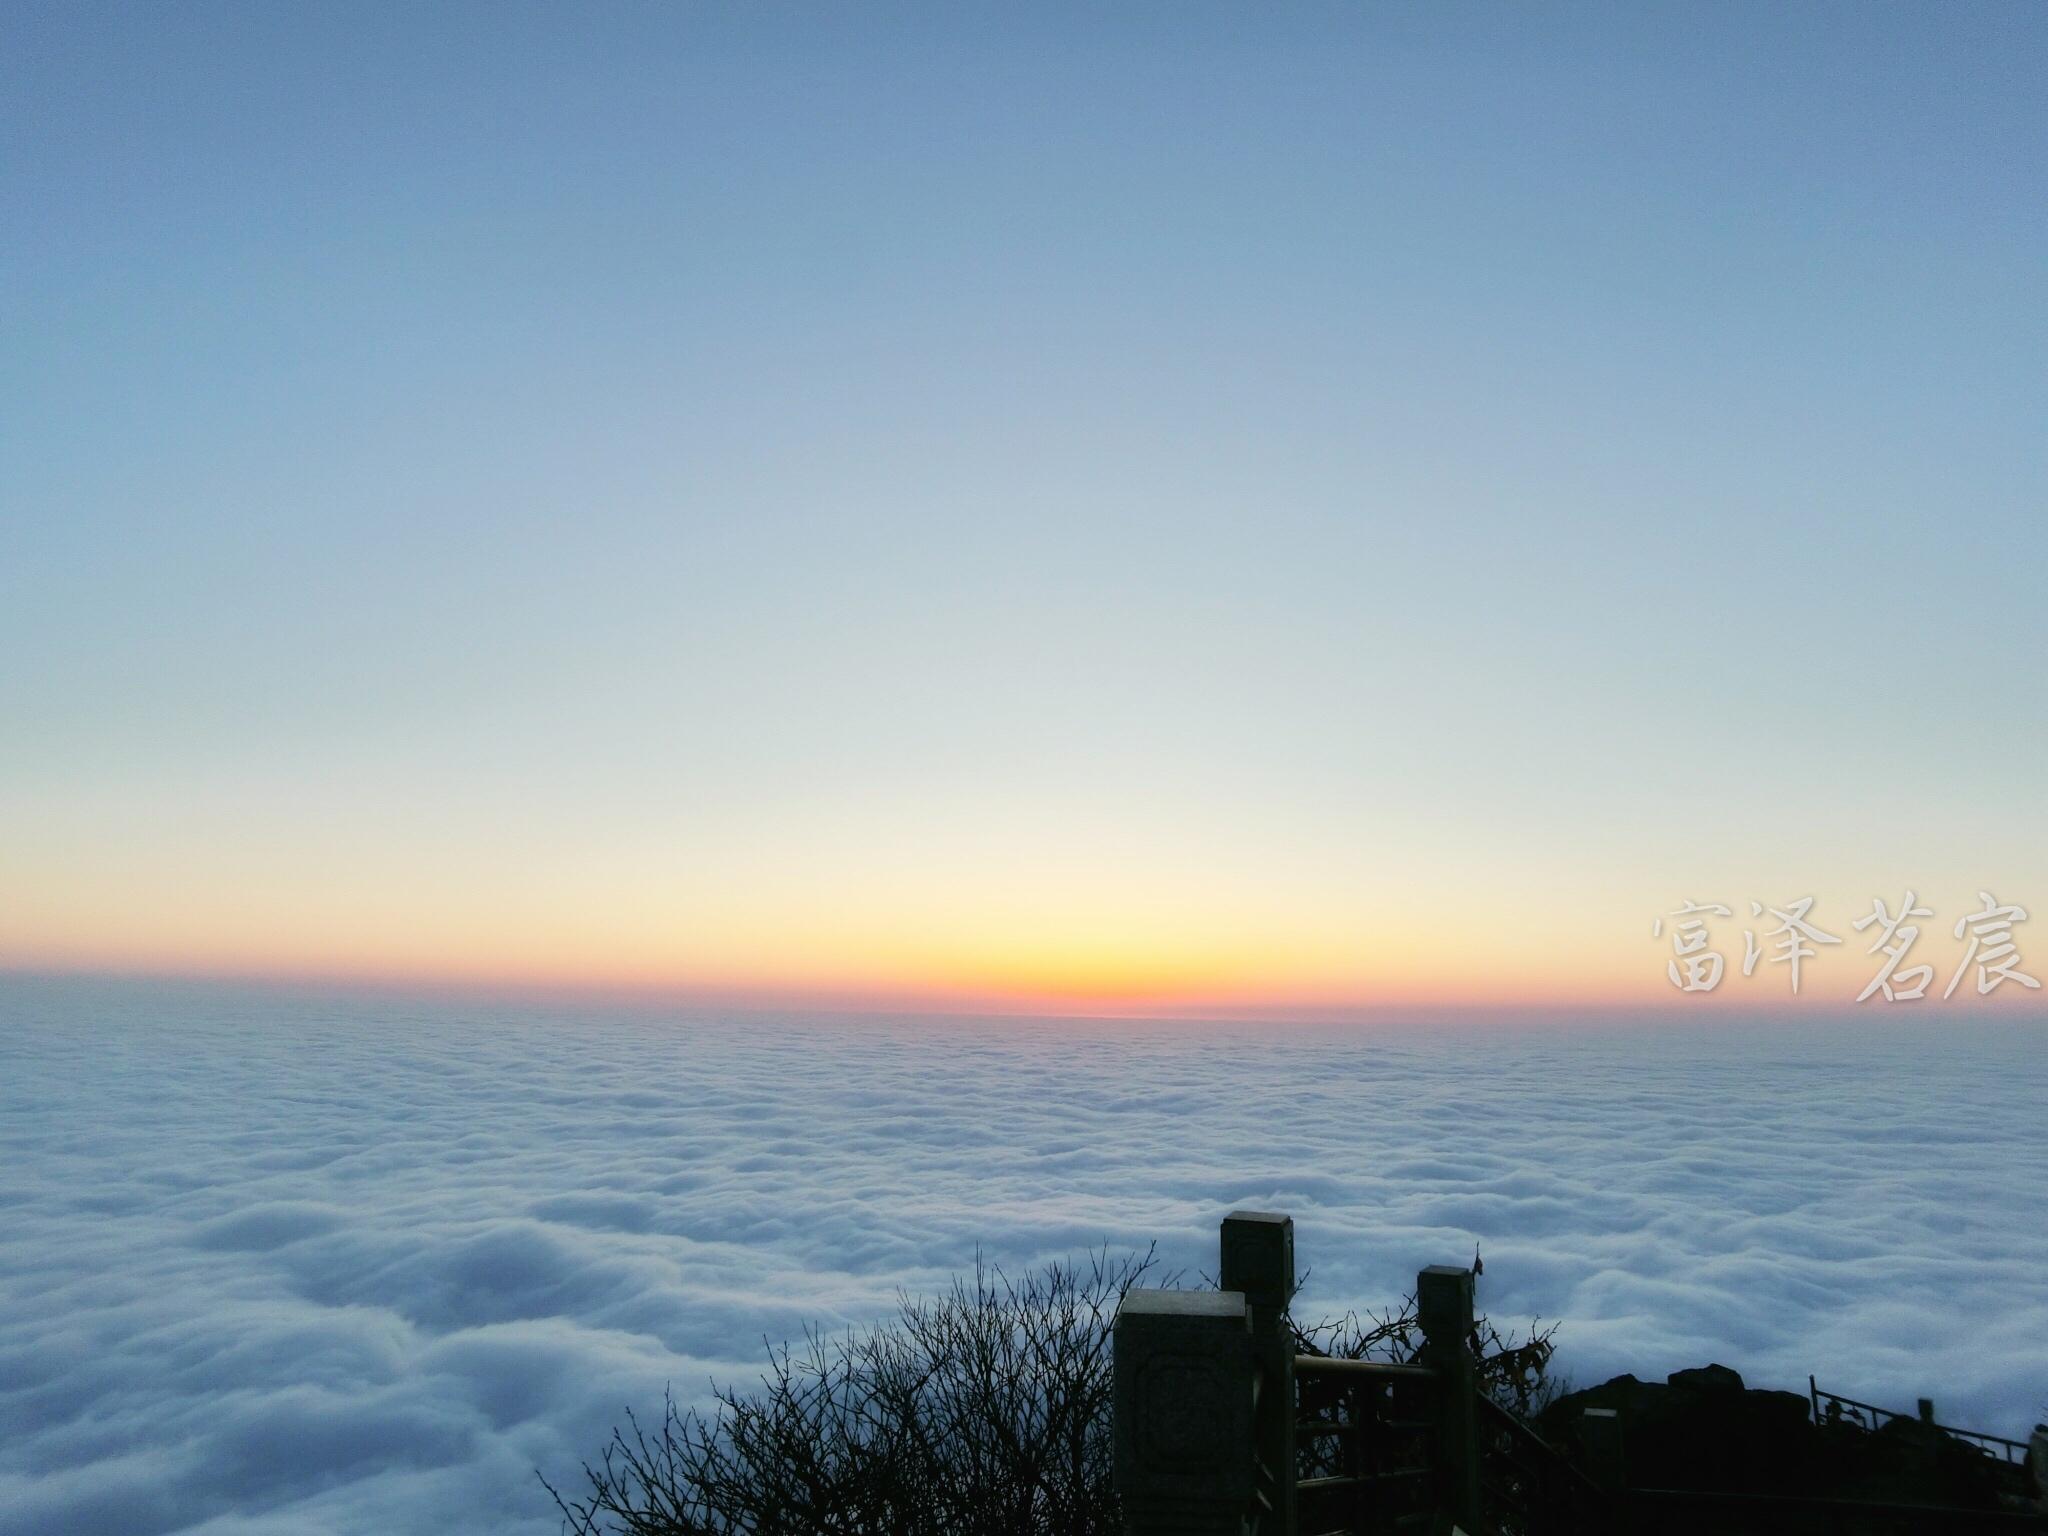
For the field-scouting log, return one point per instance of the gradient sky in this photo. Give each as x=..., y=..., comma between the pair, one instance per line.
x=1141, y=505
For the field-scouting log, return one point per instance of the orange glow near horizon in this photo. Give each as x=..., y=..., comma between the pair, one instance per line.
x=1008, y=931
x=997, y=955
x=1102, y=979
x=1102, y=994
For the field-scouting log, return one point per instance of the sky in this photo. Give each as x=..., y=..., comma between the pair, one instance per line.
x=1194, y=506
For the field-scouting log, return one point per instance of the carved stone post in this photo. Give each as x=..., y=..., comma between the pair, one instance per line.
x=1182, y=1404
x=1258, y=1260
x=1443, y=1304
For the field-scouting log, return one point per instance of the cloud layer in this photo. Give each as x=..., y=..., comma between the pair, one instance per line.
x=277, y=1264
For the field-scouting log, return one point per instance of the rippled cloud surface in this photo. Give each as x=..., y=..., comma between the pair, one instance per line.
x=276, y=1264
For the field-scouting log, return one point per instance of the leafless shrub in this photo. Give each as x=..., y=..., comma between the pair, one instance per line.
x=983, y=1412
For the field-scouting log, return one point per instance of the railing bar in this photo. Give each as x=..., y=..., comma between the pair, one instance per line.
x=1367, y=1429
x=1361, y=1479
x=1948, y=1429
x=1328, y=1365
x=1551, y=1458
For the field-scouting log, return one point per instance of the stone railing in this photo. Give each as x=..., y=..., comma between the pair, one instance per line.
x=1208, y=1408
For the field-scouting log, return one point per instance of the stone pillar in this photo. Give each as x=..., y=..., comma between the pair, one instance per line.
x=1258, y=1261
x=1443, y=1304
x=1181, y=1396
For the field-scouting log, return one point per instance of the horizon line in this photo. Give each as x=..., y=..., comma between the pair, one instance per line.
x=940, y=1003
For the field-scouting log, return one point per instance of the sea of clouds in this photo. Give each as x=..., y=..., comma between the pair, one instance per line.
x=277, y=1263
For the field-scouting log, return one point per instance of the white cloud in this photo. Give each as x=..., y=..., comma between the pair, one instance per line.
x=271, y=1265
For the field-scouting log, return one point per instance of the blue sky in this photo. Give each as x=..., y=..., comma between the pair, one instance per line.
x=715, y=493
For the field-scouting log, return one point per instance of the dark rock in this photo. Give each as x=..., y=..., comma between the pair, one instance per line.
x=1706, y=1378
x=1702, y=1429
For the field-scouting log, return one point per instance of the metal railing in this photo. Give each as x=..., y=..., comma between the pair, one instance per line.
x=1848, y=1411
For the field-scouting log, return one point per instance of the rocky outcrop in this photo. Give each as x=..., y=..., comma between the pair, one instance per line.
x=1698, y=1429
x=1703, y=1429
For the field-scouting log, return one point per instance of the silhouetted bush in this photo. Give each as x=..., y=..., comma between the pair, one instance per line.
x=984, y=1412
